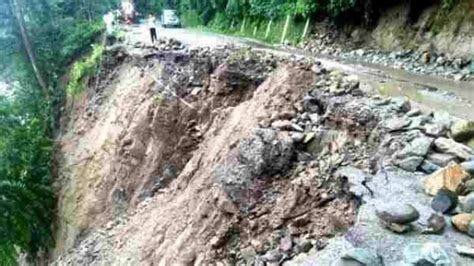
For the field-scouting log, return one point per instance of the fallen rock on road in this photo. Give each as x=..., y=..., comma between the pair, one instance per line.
x=398, y=213
x=451, y=178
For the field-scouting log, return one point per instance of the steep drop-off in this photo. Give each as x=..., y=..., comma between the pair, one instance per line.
x=231, y=156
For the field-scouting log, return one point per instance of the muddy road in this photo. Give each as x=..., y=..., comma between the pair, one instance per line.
x=427, y=92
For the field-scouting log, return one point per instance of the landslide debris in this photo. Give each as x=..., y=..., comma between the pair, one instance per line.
x=392, y=44
x=236, y=157
x=132, y=133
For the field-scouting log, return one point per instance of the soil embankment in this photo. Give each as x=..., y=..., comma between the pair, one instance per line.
x=421, y=37
x=230, y=156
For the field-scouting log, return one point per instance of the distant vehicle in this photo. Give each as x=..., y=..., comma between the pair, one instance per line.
x=169, y=18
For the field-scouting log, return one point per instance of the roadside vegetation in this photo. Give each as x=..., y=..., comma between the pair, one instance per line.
x=277, y=21
x=39, y=40
x=83, y=69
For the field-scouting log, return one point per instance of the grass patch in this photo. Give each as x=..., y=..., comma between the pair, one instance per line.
x=451, y=14
x=83, y=69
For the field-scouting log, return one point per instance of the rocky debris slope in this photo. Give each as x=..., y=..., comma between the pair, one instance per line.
x=409, y=213
x=243, y=158
x=131, y=134
x=423, y=61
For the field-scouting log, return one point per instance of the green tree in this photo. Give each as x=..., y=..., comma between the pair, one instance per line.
x=17, y=8
x=38, y=40
x=337, y=7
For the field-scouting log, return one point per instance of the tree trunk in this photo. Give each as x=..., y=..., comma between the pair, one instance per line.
x=269, y=26
x=285, y=29
x=16, y=7
x=243, y=25
x=89, y=11
x=306, y=27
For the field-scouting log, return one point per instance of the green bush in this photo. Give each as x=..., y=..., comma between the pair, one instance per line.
x=220, y=22
x=84, y=69
x=337, y=7
x=449, y=4
x=27, y=198
x=59, y=32
x=191, y=19
x=79, y=37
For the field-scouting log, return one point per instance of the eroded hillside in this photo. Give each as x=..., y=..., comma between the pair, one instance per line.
x=231, y=156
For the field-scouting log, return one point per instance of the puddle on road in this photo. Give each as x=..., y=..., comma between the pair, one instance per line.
x=428, y=93
x=426, y=99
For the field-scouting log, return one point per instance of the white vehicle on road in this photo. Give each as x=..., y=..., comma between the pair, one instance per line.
x=169, y=18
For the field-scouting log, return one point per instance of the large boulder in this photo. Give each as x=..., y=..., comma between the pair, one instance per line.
x=418, y=147
x=445, y=201
x=265, y=152
x=441, y=159
x=452, y=147
x=259, y=156
x=462, y=221
x=396, y=124
x=397, y=213
x=467, y=204
x=450, y=178
x=413, y=154
x=462, y=130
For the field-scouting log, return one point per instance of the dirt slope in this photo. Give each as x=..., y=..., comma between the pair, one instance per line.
x=137, y=142
x=184, y=220
x=234, y=157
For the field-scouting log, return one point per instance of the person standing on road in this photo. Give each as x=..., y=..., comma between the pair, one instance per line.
x=152, y=25
x=109, y=23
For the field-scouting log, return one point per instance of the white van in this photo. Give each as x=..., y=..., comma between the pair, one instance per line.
x=169, y=18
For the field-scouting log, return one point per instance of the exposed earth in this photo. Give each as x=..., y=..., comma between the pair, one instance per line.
x=432, y=91
x=211, y=150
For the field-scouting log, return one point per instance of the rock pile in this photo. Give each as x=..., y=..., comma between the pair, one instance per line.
x=438, y=154
x=162, y=44
x=394, y=136
x=421, y=61
x=452, y=179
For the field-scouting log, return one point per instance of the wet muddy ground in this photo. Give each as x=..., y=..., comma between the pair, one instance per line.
x=431, y=93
